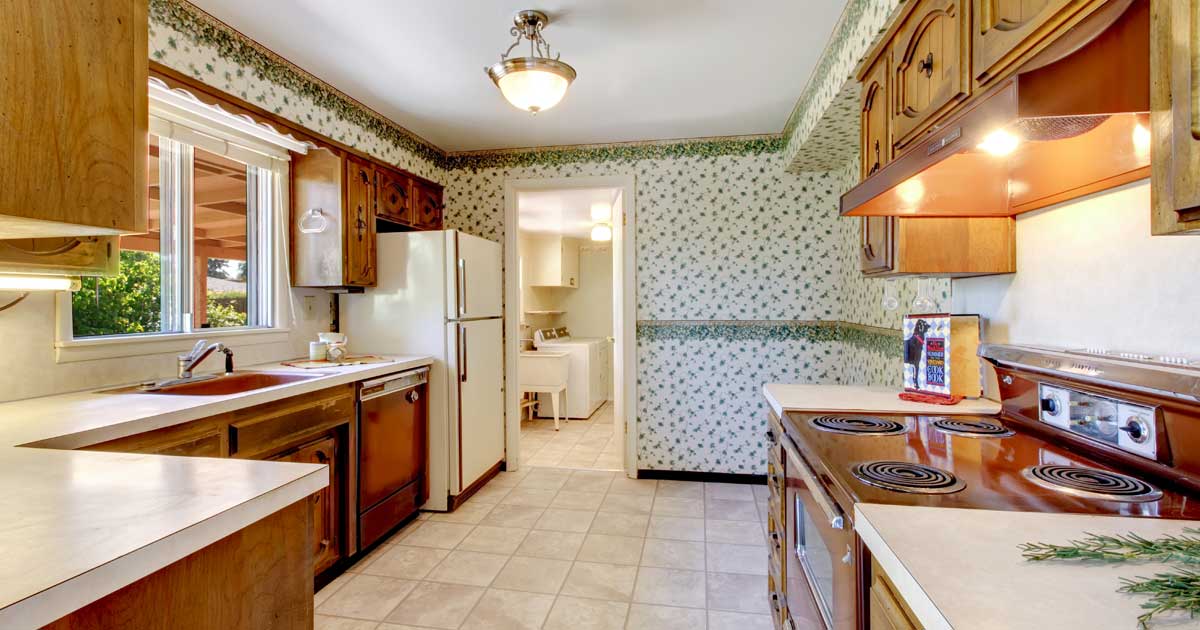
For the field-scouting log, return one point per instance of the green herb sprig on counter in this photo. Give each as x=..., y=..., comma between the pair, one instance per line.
x=1175, y=590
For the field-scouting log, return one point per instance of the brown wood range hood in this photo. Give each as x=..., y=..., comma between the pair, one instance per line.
x=1073, y=121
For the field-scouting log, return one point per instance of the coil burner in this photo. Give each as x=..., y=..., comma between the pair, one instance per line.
x=970, y=428
x=859, y=425
x=1092, y=483
x=907, y=477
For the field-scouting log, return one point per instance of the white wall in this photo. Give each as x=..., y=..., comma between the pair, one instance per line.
x=27, y=336
x=1090, y=275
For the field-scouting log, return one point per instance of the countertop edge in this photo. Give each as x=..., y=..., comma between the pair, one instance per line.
x=911, y=592
x=75, y=593
x=192, y=409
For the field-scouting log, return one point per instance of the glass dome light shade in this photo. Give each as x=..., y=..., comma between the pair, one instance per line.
x=533, y=84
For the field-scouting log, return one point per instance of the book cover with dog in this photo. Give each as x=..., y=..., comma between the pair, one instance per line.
x=941, y=355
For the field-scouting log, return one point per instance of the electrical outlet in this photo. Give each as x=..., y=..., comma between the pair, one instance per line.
x=310, y=307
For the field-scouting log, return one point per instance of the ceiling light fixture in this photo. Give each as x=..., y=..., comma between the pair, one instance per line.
x=601, y=232
x=601, y=212
x=537, y=82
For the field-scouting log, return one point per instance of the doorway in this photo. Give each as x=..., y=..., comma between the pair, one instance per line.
x=570, y=308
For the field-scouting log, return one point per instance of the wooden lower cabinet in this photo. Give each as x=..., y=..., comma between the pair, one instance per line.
x=887, y=609
x=938, y=247
x=315, y=428
x=257, y=578
x=326, y=539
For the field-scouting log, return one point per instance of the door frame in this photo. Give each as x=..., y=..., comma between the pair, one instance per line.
x=624, y=308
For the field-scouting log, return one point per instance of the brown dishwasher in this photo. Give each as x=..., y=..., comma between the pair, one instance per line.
x=393, y=480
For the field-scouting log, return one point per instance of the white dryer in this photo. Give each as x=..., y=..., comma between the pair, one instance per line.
x=587, y=384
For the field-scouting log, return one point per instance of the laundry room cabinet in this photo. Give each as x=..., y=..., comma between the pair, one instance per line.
x=553, y=260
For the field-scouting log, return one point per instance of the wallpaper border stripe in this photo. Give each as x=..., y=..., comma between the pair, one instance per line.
x=617, y=152
x=886, y=341
x=205, y=29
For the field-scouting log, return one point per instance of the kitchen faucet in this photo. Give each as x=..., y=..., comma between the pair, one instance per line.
x=189, y=361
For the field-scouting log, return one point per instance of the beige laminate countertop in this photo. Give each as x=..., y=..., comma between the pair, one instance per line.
x=962, y=569
x=859, y=399
x=78, y=525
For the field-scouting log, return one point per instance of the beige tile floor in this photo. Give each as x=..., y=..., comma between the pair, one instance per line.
x=557, y=549
x=586, y=444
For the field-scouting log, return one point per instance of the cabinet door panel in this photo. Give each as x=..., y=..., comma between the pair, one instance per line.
x=1007, y=29
x=326, y=539
x=359, y=235
x=876, y=255
x=873, y=113
x=395, y=196
x=929, y=67
x=1175, y=116
x=428, y=213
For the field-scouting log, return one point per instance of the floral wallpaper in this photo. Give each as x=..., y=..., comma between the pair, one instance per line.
x=745, y=273
x=186, y=39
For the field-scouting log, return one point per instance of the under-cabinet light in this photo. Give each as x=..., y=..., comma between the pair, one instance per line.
x=1000, y=142
x=23, y=282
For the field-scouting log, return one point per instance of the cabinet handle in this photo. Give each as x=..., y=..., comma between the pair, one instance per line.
x=875, y=166
x=359, y=224
x=867, y=249
x=925, y=66
x=322, y=457
x=324, y=543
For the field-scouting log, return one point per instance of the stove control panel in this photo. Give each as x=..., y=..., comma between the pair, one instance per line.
x=1127, y=426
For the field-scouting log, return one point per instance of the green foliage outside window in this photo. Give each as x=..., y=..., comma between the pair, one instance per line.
x=128, y=303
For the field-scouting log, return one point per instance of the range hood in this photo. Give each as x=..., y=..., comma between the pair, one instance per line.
x=1073, y=121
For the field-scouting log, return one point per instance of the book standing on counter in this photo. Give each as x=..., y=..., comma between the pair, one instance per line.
x=941, y=355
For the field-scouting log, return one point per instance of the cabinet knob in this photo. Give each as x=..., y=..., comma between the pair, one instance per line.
x=925, y=66
x=322, y=457
x=324, y=543
x=412, y=396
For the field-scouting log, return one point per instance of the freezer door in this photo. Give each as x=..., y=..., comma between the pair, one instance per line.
x=477, y=280
x=478, y=425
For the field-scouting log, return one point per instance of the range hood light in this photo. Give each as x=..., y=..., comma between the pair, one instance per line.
x=1141, y=140
x=911, y=191
x=1000, y=143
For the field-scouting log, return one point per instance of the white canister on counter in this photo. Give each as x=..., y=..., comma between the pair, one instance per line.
x=317, y=350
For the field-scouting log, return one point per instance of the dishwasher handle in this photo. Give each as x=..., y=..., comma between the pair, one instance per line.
x=392, y=383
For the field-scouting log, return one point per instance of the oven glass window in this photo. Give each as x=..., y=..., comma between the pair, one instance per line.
x=815, y=558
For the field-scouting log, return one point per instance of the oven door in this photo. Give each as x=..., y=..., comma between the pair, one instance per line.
x=820, y=572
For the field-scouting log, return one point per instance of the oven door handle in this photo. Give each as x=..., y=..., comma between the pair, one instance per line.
x=826, y=503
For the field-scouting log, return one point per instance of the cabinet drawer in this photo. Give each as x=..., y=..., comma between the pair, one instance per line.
x=929, y=66
x=274, y=426
x=201, y=438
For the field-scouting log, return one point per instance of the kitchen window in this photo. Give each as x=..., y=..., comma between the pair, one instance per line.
x=212, y=262
x=205, y=262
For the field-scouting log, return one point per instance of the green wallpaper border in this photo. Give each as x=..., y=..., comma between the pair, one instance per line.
x=884, y=341
x=204, y=29
x=617, y=152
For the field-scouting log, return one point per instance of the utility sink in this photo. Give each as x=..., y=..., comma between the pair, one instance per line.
x=226, y=384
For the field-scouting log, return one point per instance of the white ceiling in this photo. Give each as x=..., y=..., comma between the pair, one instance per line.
x=648, y=69
x=566, y=212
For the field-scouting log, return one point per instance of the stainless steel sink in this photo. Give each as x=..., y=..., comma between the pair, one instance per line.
x=224, y=385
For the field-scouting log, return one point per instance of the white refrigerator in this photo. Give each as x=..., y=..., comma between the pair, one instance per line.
x=439, y=294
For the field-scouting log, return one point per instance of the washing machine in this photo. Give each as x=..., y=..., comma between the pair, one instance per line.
x=587, y=382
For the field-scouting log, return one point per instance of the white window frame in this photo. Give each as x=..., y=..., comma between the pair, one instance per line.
x=175, y=114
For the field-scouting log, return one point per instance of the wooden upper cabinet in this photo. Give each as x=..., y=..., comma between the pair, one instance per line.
x=428, y=213
x=1175, y=116
x=930, y=66
x=1007, y=32
x=873, y=112
x=73, y=113
x=877, y=251
x=395, y=196
x=359, y=236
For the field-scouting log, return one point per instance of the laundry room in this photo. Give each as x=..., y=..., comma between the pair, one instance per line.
x=565, y=265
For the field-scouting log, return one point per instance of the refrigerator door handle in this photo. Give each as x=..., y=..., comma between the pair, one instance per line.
x=462, y=353
x=462, y=287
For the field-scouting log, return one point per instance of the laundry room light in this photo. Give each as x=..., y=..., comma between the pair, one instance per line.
x=601, y=232
x=537, y=82
x=601, y=212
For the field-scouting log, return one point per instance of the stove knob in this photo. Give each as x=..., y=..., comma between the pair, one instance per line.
x=1137, y=429
x=1051, y=405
